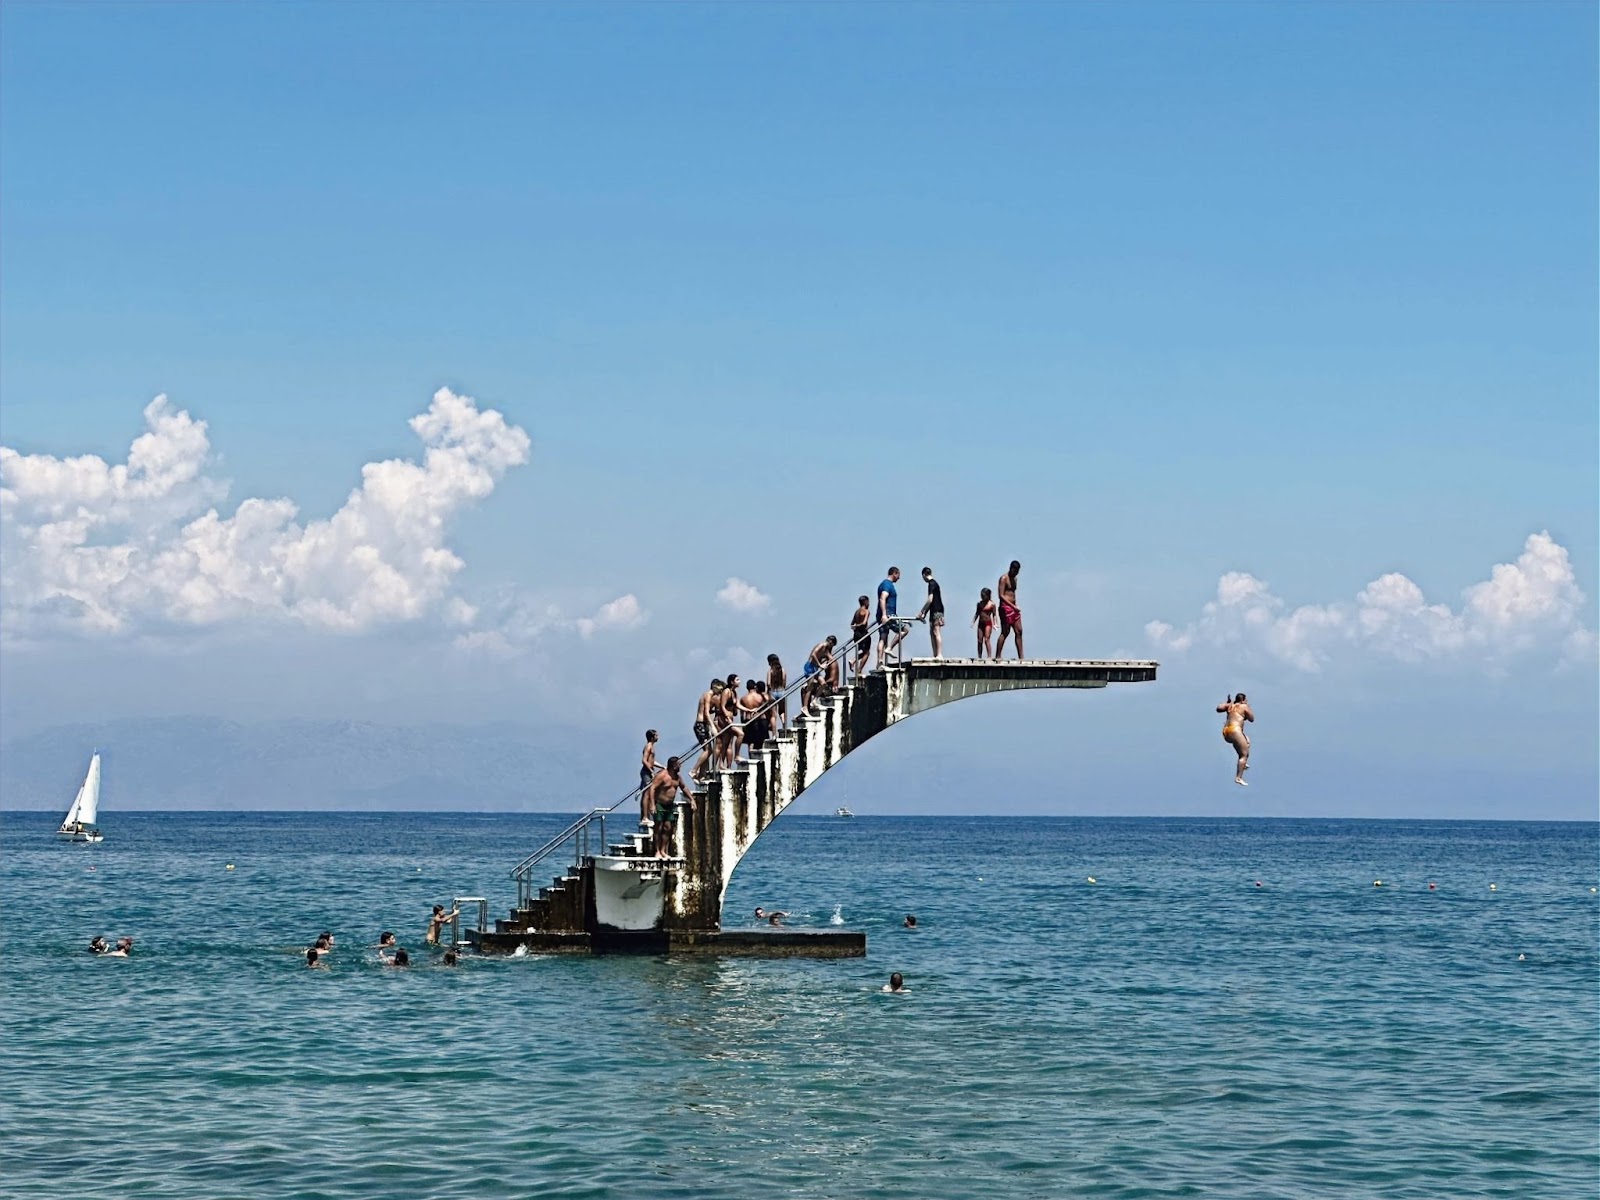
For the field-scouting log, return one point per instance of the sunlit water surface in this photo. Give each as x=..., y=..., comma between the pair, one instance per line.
x=1169, y=1029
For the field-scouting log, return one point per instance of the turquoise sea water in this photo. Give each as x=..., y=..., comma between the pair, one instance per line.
x=1171, y=1029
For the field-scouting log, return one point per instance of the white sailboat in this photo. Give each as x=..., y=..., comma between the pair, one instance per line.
x=79, y=823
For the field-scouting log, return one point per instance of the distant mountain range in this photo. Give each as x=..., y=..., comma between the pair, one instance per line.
x=202, y=763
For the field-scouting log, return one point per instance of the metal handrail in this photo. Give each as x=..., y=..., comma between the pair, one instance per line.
x=455, y=916
x=578, y=830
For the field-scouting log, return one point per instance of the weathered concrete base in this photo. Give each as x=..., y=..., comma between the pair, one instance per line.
x=738, y=943
x=489, y=941
x=772, y=943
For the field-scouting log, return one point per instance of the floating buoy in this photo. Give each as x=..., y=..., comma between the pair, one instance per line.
x=1522, y=958
x=1432, y=886
x=1493, y=888
x=1258, y=883
x=230, y=866
x=1594, y=889
x=1377, y=883
x=1092, y=879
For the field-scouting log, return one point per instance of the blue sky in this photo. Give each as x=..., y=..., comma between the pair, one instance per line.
x=1143, y=295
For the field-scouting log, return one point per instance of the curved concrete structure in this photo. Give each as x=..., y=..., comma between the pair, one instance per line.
x=623, y=899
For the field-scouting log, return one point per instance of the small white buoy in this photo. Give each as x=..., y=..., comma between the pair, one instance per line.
x=1377, y=883
x=1092, y=879
x=1594, y=889
x=1493, y=887
x=1522, y=958
x=230, y=867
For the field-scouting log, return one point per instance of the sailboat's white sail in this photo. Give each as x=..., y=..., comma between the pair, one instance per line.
x=89, y=794
x=86, y=804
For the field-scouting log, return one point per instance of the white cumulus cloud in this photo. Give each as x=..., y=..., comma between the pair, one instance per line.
x=743, y=597
x=89, y=547
x=1524, y=606
x=622, y=613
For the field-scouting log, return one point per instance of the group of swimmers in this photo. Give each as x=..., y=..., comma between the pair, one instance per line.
x=98, y=945
x=390, y=952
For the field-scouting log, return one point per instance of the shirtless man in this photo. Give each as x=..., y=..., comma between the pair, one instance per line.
x=663, y=793
x=818, y=671
x=728, y=741
x=860, y=637
x=1010, y=614
x=1233, y=733
x=777, y=681
x=771, y=918
x=647, y=771
x=704, y=713
x=757, y=716
x=123, y=946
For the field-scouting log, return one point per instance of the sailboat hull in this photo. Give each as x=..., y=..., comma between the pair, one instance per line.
x=80, y=835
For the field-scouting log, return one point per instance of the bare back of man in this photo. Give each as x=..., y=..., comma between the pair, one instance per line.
x=1238, y=713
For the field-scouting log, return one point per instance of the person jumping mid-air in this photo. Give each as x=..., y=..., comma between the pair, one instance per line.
x=1233, y=733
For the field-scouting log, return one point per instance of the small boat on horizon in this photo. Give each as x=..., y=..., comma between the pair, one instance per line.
x=79, y=823
x=843, y=812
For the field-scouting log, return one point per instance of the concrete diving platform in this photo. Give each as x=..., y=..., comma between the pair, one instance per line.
x=617, y=898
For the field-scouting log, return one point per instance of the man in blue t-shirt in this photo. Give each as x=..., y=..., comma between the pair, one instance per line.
x=891, y=632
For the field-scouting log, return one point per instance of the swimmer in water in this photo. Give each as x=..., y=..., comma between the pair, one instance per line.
x=97, y=945
x=910, y=922
x=449, y=958
x=314, y=960
x=323, y=944
x=771, y=918
x=1238, y=712
x=438, y=919
x=400, y=959
x=386, y=940
x=123, y=946
x=897, y=983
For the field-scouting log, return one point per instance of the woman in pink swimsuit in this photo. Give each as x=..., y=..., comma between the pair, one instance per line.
x=983, y=618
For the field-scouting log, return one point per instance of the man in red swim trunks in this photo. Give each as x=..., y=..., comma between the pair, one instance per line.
x=1010, y=614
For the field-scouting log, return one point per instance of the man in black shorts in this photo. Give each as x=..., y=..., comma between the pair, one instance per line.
x=933, y=612
x=710, y=699
x=860, y=635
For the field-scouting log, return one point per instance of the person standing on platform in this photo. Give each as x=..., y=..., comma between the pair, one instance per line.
x=860, y=638
x=647, y=758
x=891, y=632
x=704, y=719
x=757, y=716
x=663, y=795
x=1010, y=614
x=983, y=620
x=777, y=681
x=933, y=612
